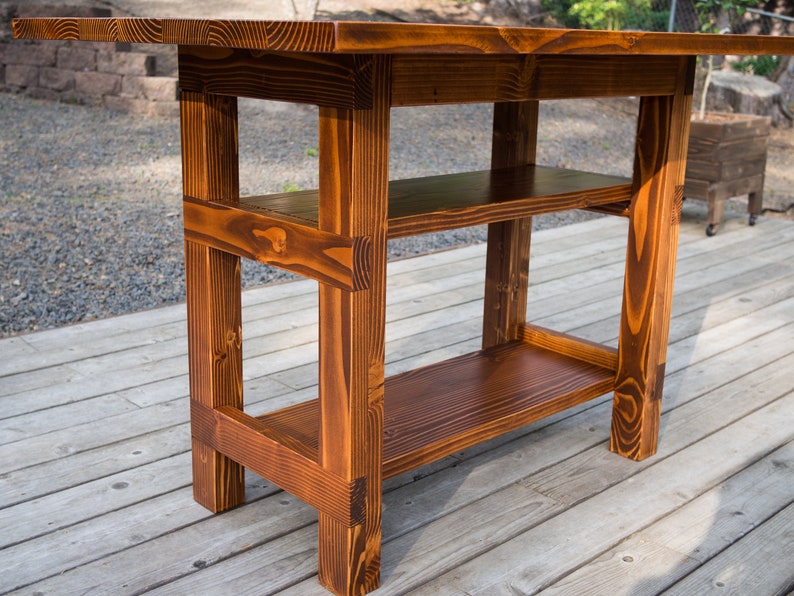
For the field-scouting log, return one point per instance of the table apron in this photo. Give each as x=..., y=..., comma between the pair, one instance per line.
x=345, y=81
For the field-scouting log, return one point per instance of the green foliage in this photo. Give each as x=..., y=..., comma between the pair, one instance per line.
x=709, y=12
x=762, y=66
x=643, y=15
x=609, y=14
x=561, y=11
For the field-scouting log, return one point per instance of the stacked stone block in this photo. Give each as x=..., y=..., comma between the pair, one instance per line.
x=102, y=74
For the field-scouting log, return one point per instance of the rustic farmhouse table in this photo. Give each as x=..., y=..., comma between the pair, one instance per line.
x=335, y=451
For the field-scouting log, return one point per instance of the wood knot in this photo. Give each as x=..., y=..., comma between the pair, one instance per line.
x=277, y=238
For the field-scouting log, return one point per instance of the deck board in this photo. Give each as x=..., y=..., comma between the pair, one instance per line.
x=94, y=466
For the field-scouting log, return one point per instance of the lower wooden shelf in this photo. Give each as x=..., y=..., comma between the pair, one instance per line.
x=434, y=411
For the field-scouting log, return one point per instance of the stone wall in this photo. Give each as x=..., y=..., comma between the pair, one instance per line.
x=103, y=74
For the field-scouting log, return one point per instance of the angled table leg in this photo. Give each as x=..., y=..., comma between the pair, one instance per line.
x=515, y=130
x=209, y=154
x=353, y=202
x=659, y=167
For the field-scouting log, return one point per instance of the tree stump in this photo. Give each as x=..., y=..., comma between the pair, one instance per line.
x=745, y=94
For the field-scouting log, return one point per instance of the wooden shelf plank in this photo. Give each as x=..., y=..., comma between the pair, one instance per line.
x=439, y=409
x=437, y=203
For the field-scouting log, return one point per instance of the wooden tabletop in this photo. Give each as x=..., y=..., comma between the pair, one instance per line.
x=350, y=37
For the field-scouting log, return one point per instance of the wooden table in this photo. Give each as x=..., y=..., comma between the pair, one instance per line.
x=335, y=451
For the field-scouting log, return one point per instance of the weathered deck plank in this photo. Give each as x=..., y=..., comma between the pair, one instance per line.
x=670, y=549
x=95, y=476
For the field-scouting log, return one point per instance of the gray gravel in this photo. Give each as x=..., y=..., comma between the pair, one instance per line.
x=90, y=215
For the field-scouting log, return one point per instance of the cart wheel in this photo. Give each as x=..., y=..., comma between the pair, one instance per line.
x=752, y=219
x=711, y=229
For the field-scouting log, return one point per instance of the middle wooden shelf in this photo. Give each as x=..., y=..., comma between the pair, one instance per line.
x=443, y=202
x=282, y=229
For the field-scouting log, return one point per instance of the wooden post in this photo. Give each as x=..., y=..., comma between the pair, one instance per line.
x=353, y=202
x=659, y=167
x=210, y=172
x=515, y=129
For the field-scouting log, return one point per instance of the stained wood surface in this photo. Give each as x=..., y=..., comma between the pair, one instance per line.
x=94, y=437
x=212, y=280
x=327, y=80
x=353, y=202
x=282, y=242
x=651, y=254
x=432, y=412
x=435, y=203
x=393, y=38
x=513, y=145
x=430, y=79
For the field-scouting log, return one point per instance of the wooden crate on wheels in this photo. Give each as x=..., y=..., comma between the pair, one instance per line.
x=727, y=158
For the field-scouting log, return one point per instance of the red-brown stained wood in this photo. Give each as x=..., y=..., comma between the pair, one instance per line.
x=353, y=200
x=274, y=35
x=440, y=203
x=660, y=162
x=618, y=208
x=395, y=38
x=318, y=79
x=437, y=203
x=276, y=456
x=424, y=80
x=209, y=141
x=325, y=257
x=439, y=409
x=514, y=139
x=568, y=345
x=461, y=39
x=436, y=410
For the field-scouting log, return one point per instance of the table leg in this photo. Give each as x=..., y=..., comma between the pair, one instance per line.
x=515, y=129
x=353, y=202
x=209, y=153
x=660, y=163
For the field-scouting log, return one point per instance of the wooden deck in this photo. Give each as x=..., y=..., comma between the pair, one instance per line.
x=95, y=492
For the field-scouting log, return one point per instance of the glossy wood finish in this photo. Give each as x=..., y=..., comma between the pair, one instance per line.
x=436, y=203
x=273, y=239
x=514, y=139
x=209, y=170
x=659, y=167
x=329, y=80
x=393, y=38
x=353, y=201
x=431, y=412
x=445, y=79
x=333, y=452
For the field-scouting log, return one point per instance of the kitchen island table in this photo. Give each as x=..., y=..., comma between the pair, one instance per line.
x=335, y=451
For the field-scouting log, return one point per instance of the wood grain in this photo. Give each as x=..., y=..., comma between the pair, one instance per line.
x=353, y=201
x=267, y=238
x=513, y=145
x=575, y=347
x=266, y=35
x=259, y=447
x=437, y=203
x=461, y=39
x=318, y=79
x=660, y=163
x=209, y=155
x=447, y=79
x=394, y=38
x=432, y=412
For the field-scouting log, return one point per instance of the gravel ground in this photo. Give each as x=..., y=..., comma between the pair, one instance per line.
x=90, y=215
